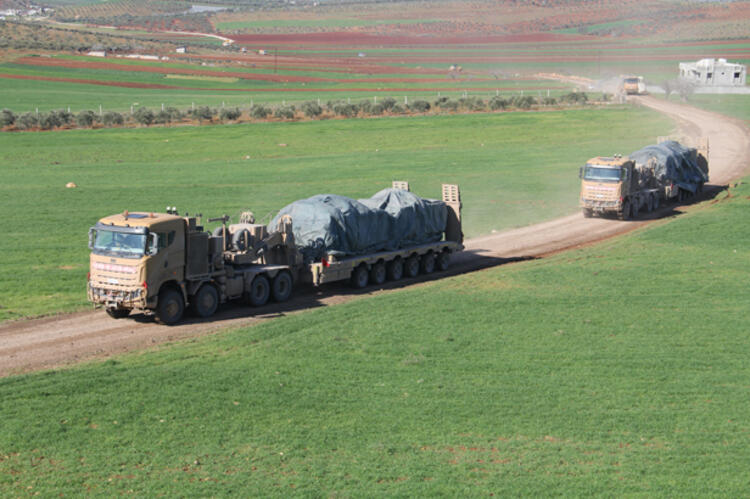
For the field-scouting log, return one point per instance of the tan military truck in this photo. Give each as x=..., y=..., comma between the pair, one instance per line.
x=162, y=262
x=640, y=182
x=633, y=85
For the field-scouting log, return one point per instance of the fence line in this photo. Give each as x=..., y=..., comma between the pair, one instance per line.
x=463, y=94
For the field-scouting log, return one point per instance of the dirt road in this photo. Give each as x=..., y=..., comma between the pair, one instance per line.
x=65, y=339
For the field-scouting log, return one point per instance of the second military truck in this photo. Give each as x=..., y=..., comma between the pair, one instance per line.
x=627, y=186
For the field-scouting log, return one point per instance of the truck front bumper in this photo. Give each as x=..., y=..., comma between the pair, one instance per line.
x=597, y=205
x=111, y=297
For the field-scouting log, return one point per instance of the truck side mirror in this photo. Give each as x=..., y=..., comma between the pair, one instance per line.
x=152, y=247
x=580, y=172
x=92, y=237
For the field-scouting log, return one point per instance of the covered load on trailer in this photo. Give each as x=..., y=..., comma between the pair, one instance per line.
x=670, y=162
x=391, y=219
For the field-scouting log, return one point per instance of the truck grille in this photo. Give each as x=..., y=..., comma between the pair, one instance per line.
x=600, y=193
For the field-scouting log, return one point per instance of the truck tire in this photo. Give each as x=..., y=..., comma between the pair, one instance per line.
x=378, y=273
x=118, y=313
x=443, y=260
x=624, y=213
x=428, y=263
x=587, y=212
x=656, y=202
x=205, y=301
x=359, y=277
x=171, y=306
x=649, y=203
x=680, y=195
x=411, y=268
x=259, y=292
x=281, y=288
x=395, y=269
x=635, y=209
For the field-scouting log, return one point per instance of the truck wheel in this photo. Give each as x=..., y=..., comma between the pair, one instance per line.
x=205, y=301
x=634, y=207
x=625, y=210
x=359, y=278
x=411, y=269
x=259, y=291
x=443, y=260
x=649, y=203
x=428, y=263
x=377, y=273
x=587, y=212
x=680, y=196
x=282, y=286
x=118, y=313
x=656, y=202
x=171, y=306
x=395, y=269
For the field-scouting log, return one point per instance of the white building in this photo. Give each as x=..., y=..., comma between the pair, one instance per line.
x=714, y=73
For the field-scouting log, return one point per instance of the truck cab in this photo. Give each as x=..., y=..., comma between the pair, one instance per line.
x=133, y=256
x=606, y=184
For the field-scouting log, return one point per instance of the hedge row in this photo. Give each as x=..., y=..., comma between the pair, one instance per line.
x=310, y=110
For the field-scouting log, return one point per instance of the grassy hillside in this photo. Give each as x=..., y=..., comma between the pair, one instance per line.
x=737, y=106
x=514, y=169
x=618, y=369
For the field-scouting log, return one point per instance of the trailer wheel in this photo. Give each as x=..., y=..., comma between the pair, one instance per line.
x=395, y=269
x=171, y=306
x=359, y=278
x=377, y=273
x=428, y=262
x=118, y=313
x=205, y=301
x=443, y=260
x=259, y=291
x=411, y=269
x=624, y=214
x=282, y=286
x=587, y=212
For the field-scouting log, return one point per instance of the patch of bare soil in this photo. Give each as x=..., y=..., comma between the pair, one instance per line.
x=61, y=340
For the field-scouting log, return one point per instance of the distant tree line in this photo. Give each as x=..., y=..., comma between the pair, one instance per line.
x=144, y=116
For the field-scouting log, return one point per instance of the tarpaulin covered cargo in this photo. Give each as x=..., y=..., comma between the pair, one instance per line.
x=389, y=220
x=672, y=162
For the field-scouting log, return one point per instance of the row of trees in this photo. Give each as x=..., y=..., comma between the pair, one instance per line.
x=310, y=109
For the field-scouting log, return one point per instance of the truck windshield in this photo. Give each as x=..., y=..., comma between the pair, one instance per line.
x=601, y=173
x=121, y=244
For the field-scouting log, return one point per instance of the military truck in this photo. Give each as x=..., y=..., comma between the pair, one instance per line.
x=633, y=85
x=627, y=186
x=161, y=263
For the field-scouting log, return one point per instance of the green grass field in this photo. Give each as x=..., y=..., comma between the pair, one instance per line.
x=737, y=106
x=615, y=370
x=29, y=95
x=511, y=174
